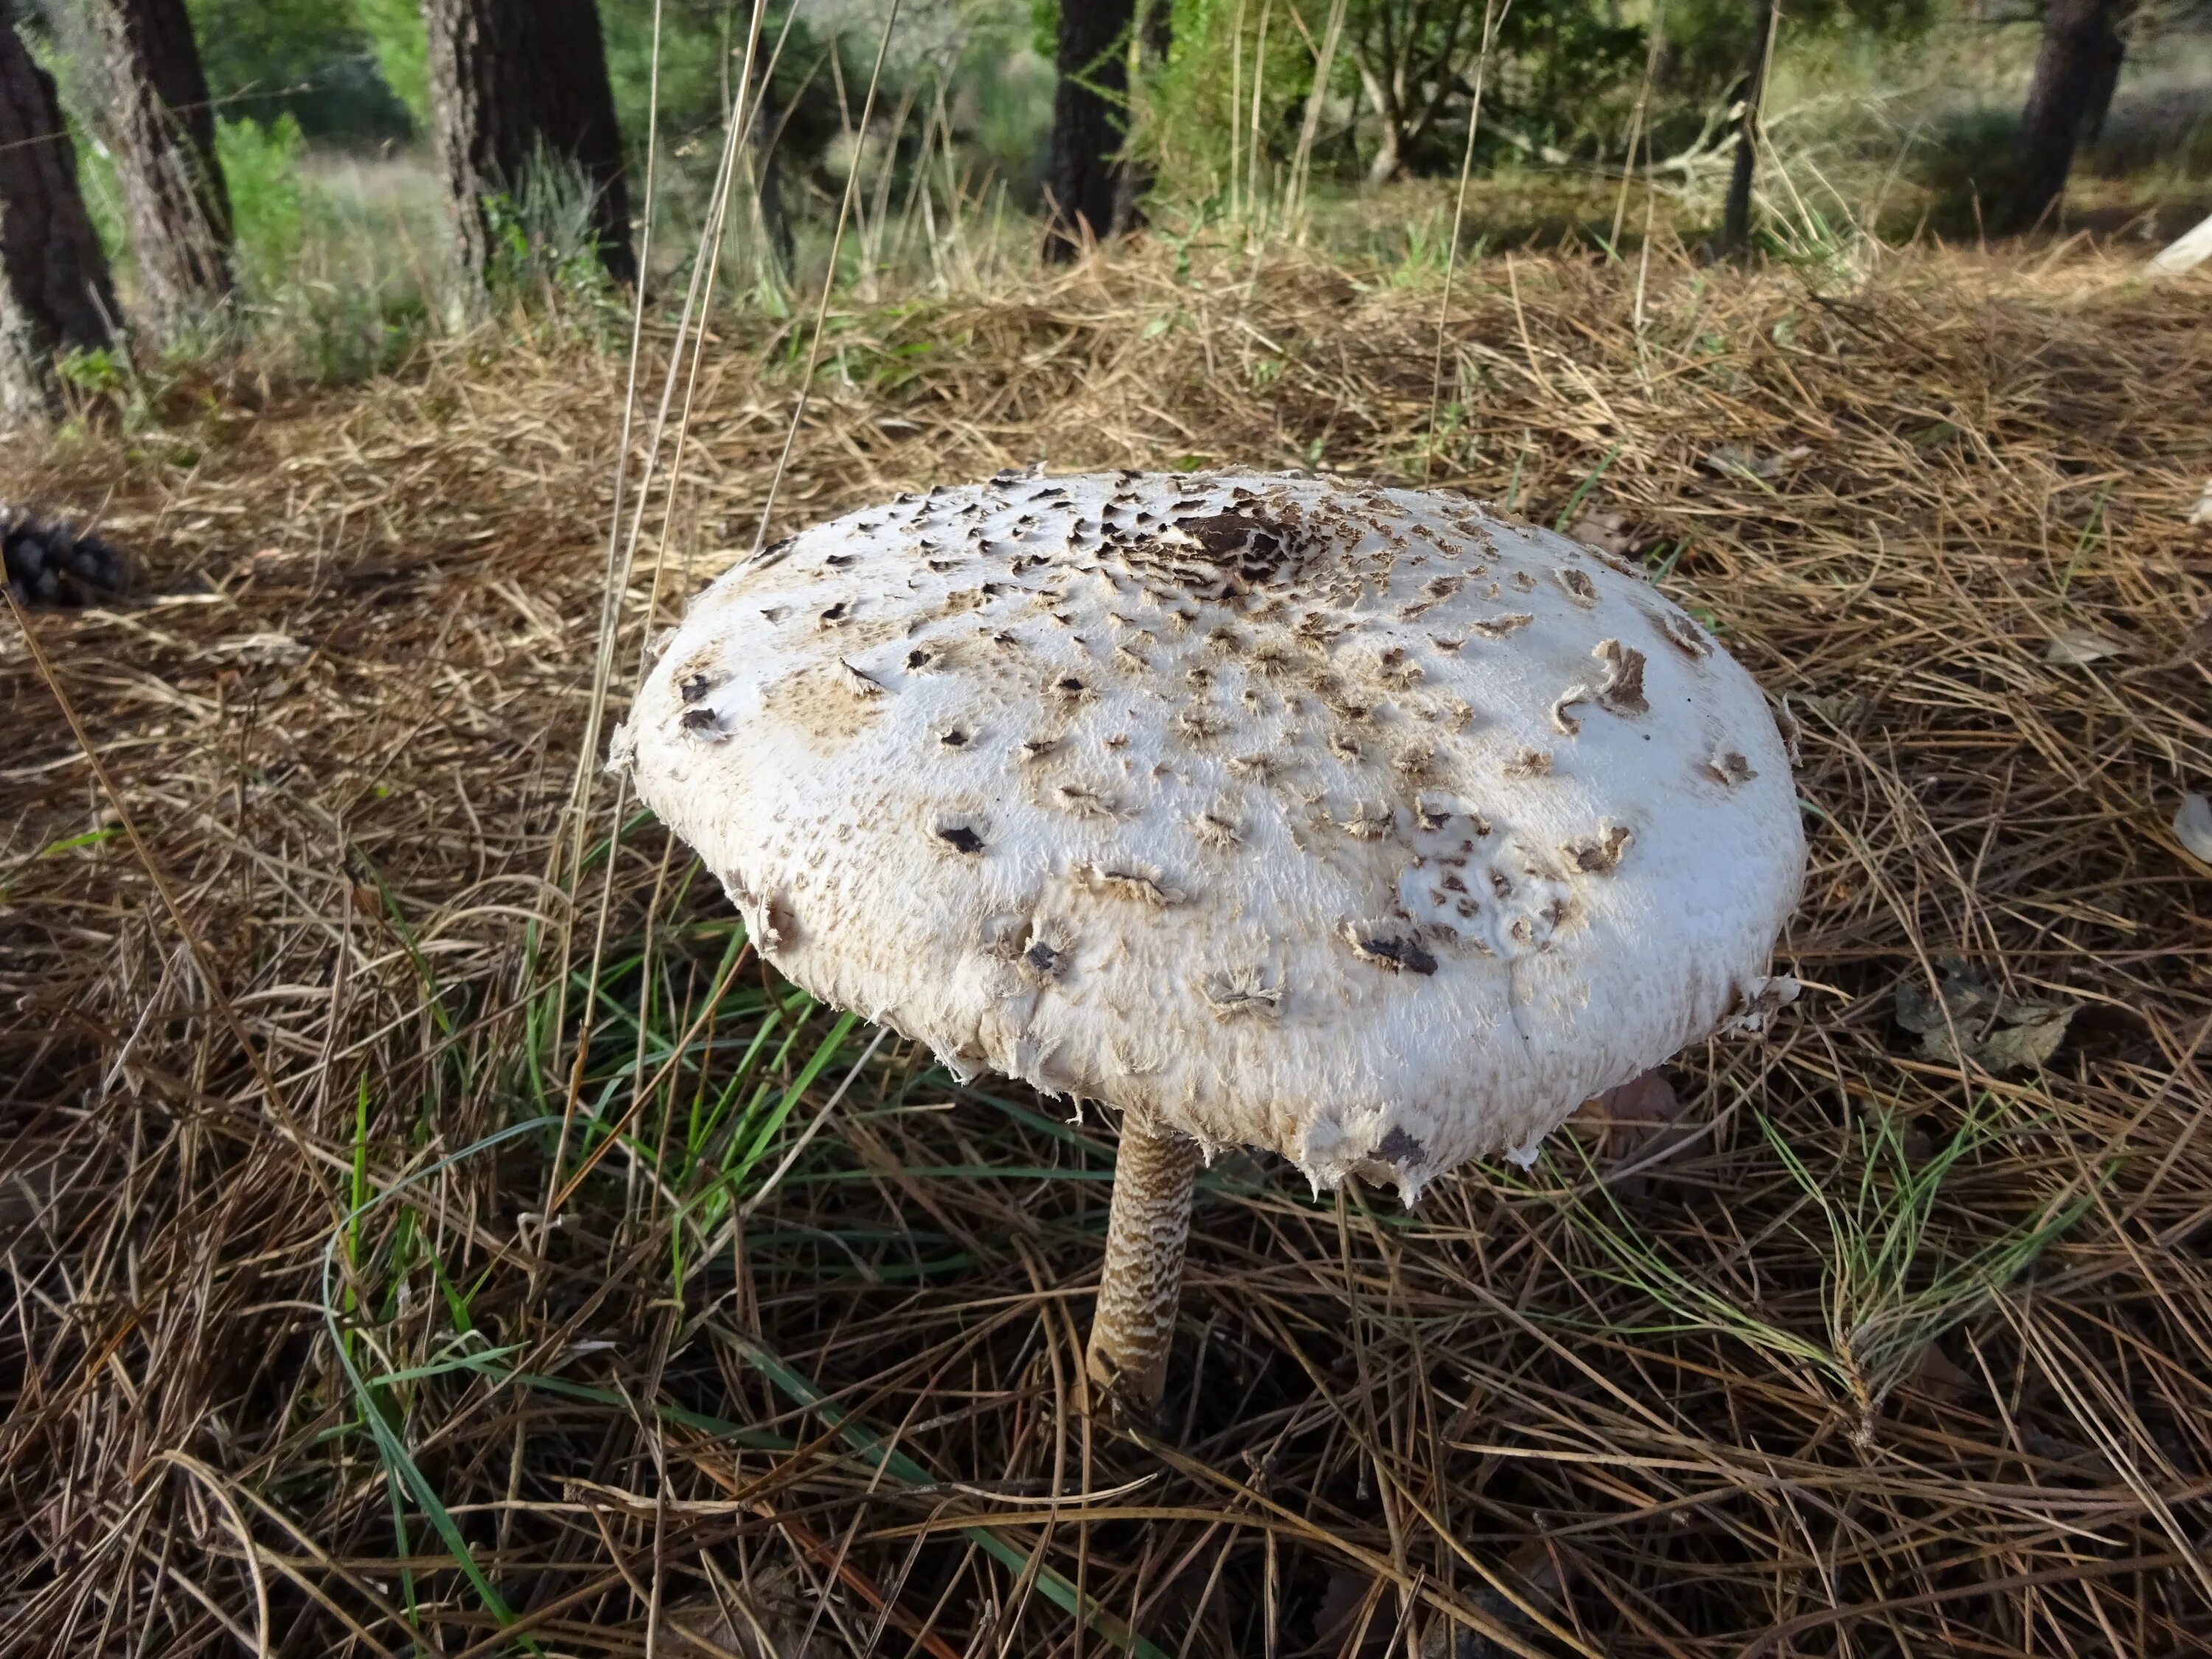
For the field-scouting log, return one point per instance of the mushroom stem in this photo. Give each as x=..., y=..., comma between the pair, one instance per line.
x=1146, y=1229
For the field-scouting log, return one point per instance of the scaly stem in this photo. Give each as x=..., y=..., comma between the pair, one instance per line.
x=1146, y=1230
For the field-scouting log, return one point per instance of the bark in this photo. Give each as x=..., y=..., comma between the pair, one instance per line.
x=54, y=290
x=1391, y=119
x=576, y=120
x=2099, y=103
x=515, y=83
x=2075, y=70
x=1736, y=218
x=1147, y=1227
x=1089, y=122
x=163, y=133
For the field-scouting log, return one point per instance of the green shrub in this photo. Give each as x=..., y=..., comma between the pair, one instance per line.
x=318, y=61
x=261, y=169
x=393, y=30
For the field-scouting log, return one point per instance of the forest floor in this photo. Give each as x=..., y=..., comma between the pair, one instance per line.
x=414, y=1244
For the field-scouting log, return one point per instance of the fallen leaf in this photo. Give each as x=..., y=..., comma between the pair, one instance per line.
x=1935, y=1375
x=2077, y=647
x=2192, y=824
x=1630, y=1116
x=2030, y=1042
x=2000, y=1033
x=1616, y=533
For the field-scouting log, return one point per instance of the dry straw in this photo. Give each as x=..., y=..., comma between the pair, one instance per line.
x=1874, y=1350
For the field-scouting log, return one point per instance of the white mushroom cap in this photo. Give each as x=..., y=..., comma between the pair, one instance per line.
x=1352, y=822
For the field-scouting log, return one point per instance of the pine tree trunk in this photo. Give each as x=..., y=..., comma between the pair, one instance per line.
x=1088, y=120
x=576, y=120
x=163, y=127
x=2099, y=103
x=54, y=291
x=483, y=111
x=2076, y=71
x=1736, y=218
x=513, y=83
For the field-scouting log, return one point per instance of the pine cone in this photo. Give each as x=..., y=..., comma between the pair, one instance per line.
x=50, y=562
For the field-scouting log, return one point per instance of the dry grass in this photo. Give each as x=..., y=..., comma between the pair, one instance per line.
x=1885, y=1356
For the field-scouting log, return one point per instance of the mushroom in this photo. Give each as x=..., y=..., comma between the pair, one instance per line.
x=1057, y=858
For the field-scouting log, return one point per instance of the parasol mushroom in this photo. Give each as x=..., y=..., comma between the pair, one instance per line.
x=1355, y=824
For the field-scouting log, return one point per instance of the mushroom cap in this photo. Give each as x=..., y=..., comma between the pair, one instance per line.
x=1357, y=823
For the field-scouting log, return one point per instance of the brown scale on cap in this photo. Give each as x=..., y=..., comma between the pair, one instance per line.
x=1083, y=801
x=1597, y=853
x=1497, y=627
x=1146, y=887
x=1243, y=991
x=1729, y=767
x=1217, y=828
x=1681, y=633
x=1576, y=584
x=1621, y=690
x=1389, y=944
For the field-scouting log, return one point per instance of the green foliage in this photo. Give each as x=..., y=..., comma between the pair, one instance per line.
x=1561, y=73
x=261, y=170
x=1223, y=82
x=1561, y=81
x=1565, y=78
x=393, y=29
x=701, y=47
x=99, y=371
x=102, y=189
x=1708, y=48
x=313, y=60
x=1885, y=1223
x=543, y=244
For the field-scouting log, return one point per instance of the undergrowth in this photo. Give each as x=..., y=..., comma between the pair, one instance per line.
x=430, y=1228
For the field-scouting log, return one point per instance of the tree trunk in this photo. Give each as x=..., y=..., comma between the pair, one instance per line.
x=1735, y=219
x=1390, y=121
x=163, y=128
x=54, y=291
x=2075, y=73
x=513, y=83
x=1089, y=119
x=2099, y=103
x=577, y=119
x=1149, y=52
x=483, y=101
